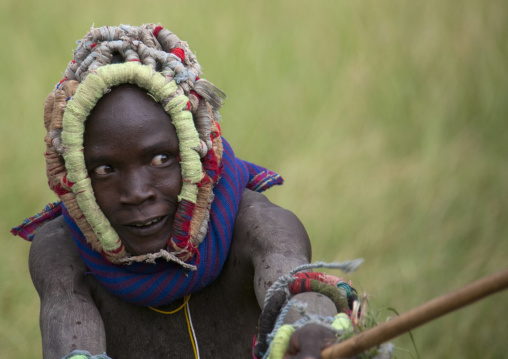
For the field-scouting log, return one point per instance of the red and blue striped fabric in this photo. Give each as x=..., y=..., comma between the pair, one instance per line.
x=31, y=225
x=161, y=283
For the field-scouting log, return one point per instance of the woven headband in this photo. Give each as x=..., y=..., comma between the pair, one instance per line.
x=157, y=61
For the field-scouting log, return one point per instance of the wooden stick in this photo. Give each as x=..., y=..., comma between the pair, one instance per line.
x=418, y=316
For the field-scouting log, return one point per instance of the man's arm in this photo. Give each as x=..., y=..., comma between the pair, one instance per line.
x=69, y=319
x=276, y=242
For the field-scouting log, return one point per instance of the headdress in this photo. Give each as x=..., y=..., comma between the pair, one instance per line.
x=158, y=61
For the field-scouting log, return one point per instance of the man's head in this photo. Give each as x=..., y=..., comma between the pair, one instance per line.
x=156, y=62
x=131, y=154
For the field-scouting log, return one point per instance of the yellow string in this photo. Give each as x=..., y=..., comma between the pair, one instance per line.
x=184, y=305
x=190, y=333
x=185, y=300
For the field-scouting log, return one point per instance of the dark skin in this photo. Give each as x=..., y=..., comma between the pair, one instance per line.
x=131, y=153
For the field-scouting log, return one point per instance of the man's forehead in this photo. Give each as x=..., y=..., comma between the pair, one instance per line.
x=126, y=99
x=125, y=106
x=126, y=91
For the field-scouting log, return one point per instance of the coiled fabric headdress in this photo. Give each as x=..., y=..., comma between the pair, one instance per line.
x=158, y=61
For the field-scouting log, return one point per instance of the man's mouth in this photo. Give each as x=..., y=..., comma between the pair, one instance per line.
x=146, y=235
x=147, y=227
x=148, y=223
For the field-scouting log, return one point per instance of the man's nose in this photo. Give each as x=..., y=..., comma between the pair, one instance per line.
x=136, y=188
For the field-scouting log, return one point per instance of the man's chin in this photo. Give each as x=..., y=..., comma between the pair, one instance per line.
x=142, y=250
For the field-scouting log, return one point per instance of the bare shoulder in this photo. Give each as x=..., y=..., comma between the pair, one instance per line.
x=54, y=258
x=271, y=238
x=269, y=227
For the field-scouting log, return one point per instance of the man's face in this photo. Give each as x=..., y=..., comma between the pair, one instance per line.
x=131, y=151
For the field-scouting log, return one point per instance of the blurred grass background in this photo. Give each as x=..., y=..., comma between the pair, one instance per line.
x=388, y=120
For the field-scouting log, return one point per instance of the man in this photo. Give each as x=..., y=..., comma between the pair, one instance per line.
x=157, y=214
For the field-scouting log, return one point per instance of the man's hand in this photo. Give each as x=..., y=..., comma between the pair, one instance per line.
x=309, y=341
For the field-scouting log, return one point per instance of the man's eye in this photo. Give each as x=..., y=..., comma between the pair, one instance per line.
x=103, y=170
x=159, y=160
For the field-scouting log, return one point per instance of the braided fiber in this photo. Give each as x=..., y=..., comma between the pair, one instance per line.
x=277, y=301
x=158, y=61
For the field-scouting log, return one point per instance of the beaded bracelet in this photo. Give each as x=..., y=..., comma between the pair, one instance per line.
x=274, y=336
x=277, y=301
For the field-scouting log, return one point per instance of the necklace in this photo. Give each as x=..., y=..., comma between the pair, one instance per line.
x=185, y=301
x=188, y=318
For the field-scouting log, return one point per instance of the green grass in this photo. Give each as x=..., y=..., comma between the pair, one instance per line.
x=388, y=120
